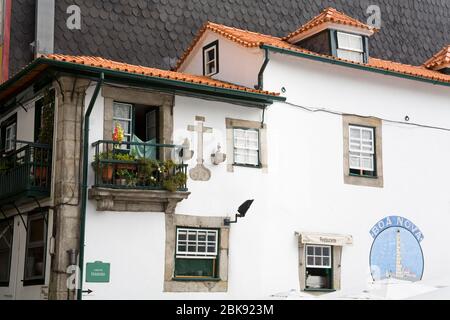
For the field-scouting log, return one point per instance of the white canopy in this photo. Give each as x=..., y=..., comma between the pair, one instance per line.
x=329, y=239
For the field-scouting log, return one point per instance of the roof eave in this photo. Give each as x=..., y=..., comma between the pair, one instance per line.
x=170, y=84
x=353, y=65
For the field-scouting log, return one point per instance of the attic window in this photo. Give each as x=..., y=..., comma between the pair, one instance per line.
x=350, y=47
x=211, y=59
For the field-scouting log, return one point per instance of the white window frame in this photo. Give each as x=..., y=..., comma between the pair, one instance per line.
x=10, y=137
x=208, y=62
x=235, y=148
x=36, y=244
x=355, y=152
x=329, y=256
x=185, y=254
x=129, y=135
x=340, y=47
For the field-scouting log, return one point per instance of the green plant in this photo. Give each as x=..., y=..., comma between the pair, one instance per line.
x=48, y=116
x=175, y=181
x=124, y=156
x=147, y=172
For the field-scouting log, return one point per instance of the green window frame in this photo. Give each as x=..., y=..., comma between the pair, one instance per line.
x=36, y=250
x=196, y=254
x=6, y=243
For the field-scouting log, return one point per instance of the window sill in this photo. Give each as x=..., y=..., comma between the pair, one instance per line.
x=319, y=290
x=196, y=279
x=360, y=176
x=247, y=166
x=34, y=282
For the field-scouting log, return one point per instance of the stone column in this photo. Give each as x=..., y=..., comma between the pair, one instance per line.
x=70, y=96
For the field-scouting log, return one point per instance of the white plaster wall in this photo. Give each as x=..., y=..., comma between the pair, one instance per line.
x=237, y=64
x=25, y=121
x=303, y=190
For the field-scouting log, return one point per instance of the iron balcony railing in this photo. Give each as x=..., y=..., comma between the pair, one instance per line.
x=133, y=165
x=25, y=172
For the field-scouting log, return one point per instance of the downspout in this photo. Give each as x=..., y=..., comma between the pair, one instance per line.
x=260, y=85
x=84, y=182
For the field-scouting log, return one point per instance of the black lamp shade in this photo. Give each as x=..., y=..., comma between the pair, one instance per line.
x=244, y=207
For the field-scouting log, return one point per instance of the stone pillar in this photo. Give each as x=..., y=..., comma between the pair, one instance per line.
x=70, y=96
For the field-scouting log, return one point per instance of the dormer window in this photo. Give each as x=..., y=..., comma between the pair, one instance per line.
x=211, y=59
x=350, y=47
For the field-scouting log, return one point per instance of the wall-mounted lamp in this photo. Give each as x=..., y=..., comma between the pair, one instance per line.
x=242, y=212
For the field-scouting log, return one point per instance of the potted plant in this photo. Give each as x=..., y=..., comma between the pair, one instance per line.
x=125, y=157
x=172, y=180
x=105, y=170
x=147, y=172
x=122, y=174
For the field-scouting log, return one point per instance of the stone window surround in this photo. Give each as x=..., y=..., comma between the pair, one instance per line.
x=138, y=96
x=378, y=181
x=246, y=124
x=172, y=285
x=336, y=264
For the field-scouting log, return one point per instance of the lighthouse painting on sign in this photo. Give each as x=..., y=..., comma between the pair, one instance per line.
x=396, y=253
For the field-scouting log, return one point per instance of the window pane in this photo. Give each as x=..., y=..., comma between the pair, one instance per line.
x=195, y=267
x=350, y=55
x=192, y=249
x=201, y=248
x=310, y=261
x=318, y=261
x=355, y=133
x=326, y=251
x=4, y=265
x=310, y=251
x=211, y=54
x=36, y=230
x=122, y=111
x=35, y=262
x=318, y=251
x=326, y=261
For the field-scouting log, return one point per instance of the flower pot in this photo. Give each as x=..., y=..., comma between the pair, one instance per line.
x=40, y=175
x=107, y=173
x=121, y=182
x=126, y=166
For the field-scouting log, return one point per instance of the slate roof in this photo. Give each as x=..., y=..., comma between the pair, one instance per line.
x=251, y=39
x=157, y=32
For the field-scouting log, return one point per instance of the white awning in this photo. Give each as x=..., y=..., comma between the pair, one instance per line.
x=329, y=239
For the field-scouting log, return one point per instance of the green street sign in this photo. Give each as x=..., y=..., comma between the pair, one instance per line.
x=97, y=272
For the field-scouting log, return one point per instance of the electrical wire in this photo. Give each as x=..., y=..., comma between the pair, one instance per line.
x=338, y=113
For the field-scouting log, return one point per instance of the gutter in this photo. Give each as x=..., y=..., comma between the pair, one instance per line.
x=352, y=65
x=260, y=84
x=87, y=117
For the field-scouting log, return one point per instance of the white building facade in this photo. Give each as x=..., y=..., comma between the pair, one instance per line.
x=346, y=170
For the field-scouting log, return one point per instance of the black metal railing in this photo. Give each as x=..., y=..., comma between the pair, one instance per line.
x=133, y=165
x=25, y=171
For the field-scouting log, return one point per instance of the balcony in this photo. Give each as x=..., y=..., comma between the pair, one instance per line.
x=25, y=174
x=131, y=176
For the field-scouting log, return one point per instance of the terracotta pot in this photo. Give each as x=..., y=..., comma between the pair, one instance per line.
x=107, y=173
x=124, y=166
x=40, y=175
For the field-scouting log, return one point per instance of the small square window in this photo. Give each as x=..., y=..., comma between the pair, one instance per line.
x=246, y=147
x=211, y=59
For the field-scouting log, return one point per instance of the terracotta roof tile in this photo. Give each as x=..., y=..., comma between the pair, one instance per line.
x=252, y=39
x=152, y=72
x=441, y=58
x=329, y=15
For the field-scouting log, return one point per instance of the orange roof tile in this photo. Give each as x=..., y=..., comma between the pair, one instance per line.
x=152, y=72
x=441, y=58
x=253, y=40
x=329, y=15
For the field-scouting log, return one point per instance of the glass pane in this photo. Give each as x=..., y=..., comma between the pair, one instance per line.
x=310, y=251
x=202, y=236
x=310, y=261
x=211, y=237
x=354, y=162
x=35, y=262
x=318, y=261
x=211, y=249
x=126, y=125
x=182, y=248
x=192, y=236
x=194, y=267
x=355, y=133
x=211, y=55
x=202, y=248
x=367, y=134
x=326, y=252
x=122, y=111
x=36, y=230
x=4, y=265
x=350, y=55
x=326, y=261
x=318, y=251
x=182, y=235
x=191, y=249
